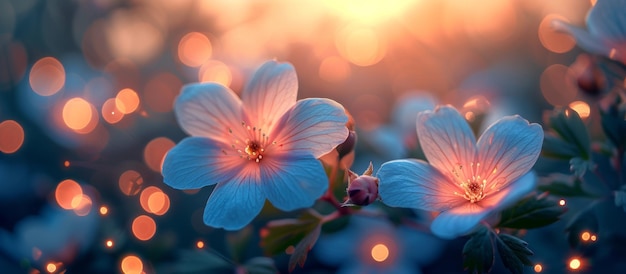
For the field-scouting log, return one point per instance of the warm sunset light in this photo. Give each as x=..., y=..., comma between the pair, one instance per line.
x=575, y=263
x=194, y=49
x=557, y=85
x=109, y=243
x=11, y=136
x=47, y=76
x=81, y=204
x=66, y=192
x=77, y=113
x=155, y=151
x=130, y=182
x=51, y=267
x=154, y=200
x=538, y=268
x=110, y=112
x=131, y=264
x=361, y=46
x=215, y=71
x=581, y=108
x=126, y=101
x=380, y=252
x=200, y=244
x=553, y=40
x=334, y=69
x=104, y=210
x=143, y=227
x=585, y=236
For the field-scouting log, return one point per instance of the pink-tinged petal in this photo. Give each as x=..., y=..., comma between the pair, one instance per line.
x=234, y=204
x=584, y=39
x=313, y=125
x=209, y=110
x=415, y=184
x=293, y=181
x=448, y=142
x=507, y=150
x=197, y=162
x=458, y=221
x=271, y=92
x=512, y=193
x=606, y=20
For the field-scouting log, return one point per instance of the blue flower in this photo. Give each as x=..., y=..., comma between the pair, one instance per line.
x=262, y=146
x=465, y=180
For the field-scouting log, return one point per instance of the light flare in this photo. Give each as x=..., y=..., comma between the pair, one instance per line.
x=380, y=252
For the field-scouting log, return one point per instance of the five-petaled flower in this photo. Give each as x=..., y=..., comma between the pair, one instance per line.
x=606, y=33
x=262, y=146
x=465, y=180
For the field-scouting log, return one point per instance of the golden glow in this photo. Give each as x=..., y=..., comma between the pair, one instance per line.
x=109, y=243
x=47, y=76
x=200, y=244
x=380, y=252
x=562, y=202
x=81, y=204
x=194, y=49
x=155, y=152
x=538, y=268
x=368, y=11
x=154, y=200
x=130, y=182
x=143, y=227
x=131, y=264
x=66, y=192
x=110, y=112
x=553, y=40
x=77, y=113
x=558, y=85
x=104, y=210
x=215, y=71
x=593, y=238
x=575, y=263
x=361, y=46
x=11, y=136
x=581, y=108
x=334, y=69
x=585, y=236
x=66, y=164
x=127, y=101
x=51, y=268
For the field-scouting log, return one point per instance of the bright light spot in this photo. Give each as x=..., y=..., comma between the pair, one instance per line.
x=552, y=39
x=47, y=76
x=11, y=136
x=51, y=267
x=200, y=244
x=127, y=101
x=155, y=152
x=109, y=243
x=77, y=113
x=470, y=116
x=368, y=11
x=581, y=108
x=585, y=236
x=154, y=200
x=66, y=192
x=594, y=238
x=334, y=69
x=66, y=164
x=380, y=252
x=574, y=263
x=593, y=2
x=130, y=182
x=132, y=265
x=143, y=227
x=81, y=205
x=215, y=71
x=104, y=210
x=538, y=268
x=562, y=202
x=194, y=49
x=361, y=46
x=110, y=113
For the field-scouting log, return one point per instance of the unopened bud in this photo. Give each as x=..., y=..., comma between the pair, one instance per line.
x=589, y=77
x=362, y=189
x=348, y=145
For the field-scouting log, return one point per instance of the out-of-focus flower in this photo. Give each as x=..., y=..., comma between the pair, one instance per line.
x=362, y=189
x=465, y=180
x=265, y=145
x=373, y=245
x=606, y=30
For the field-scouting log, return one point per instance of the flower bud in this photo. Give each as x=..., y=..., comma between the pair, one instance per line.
x=589, y=77
x=362, y=189
x=348, y=145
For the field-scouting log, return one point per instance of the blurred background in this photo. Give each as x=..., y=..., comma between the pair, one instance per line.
x=87, y=88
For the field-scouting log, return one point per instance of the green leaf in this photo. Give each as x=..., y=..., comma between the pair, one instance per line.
x=580, y=166
x=555, y=147
x=478, y=252
x=568, y=125
x=613, y=120
x=531, y=212
x=302, y=249
x=301, y=233
x=584, y=221
x=260, y=265
x=564, y=186
x=513, y=252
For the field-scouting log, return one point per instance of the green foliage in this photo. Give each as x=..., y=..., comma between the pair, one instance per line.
x=564, y=186
x=613, y=121
x=569, y=127
x=301, y=233
x=531, y=212
x=513, y=252
x=478, y=254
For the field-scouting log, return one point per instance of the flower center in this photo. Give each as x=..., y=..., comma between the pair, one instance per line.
x=254, y=151
x=474, y=191
x=249, y=143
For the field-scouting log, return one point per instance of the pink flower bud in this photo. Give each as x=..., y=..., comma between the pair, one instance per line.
x=362, y=189
x=348, y=145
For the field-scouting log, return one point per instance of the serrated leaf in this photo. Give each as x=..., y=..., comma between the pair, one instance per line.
x=584, y=221
x=568, y=125
x=563, y=188
x=513, y=252
x=302, y=249
x=531, y=212
x=278, y=235
x=260, y=265
x=478, y=252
